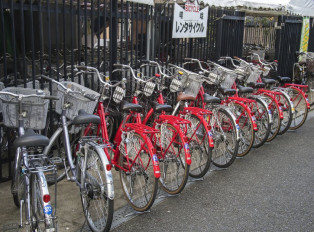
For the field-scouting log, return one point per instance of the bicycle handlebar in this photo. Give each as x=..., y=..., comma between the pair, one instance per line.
x=124, y=66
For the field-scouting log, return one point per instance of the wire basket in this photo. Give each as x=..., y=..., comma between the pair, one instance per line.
x=76, y=101
x=34, y=109
x=228, y=79
x=1, y=88
x=192, y=85
x=254, y=74
x=310, y=63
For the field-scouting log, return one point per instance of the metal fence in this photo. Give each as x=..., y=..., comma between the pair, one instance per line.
x=287, y=43
x=46, y=36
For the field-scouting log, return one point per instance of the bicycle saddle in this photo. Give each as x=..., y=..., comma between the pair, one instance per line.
x=185, y=97
x=243, y=89
x=211, y=99
x=127, y=107
x=268, y=81
x=85, y=118
x=284, y=79
x=31, y=139
x=256, y=85
x=227, y=91
x=161, y=107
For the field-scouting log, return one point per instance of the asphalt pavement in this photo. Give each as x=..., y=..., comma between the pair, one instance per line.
x=271, y=189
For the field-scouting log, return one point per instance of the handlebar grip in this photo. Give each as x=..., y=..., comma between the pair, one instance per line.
x=80, y=67
x=89, y=97
x=51, y=98
x=187, y=59
x=145, y=61
x=118, y=65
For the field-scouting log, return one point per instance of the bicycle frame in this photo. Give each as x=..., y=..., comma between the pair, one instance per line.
x=118, y=138
x=200, y=97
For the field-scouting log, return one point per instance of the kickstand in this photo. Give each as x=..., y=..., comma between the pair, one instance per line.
x=191, y=179
x=135, y=213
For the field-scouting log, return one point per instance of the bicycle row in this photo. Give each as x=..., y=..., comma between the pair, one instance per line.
x=174, y=123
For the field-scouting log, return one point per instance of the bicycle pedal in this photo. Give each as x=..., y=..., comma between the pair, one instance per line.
x=10, y=227
x=50, y=177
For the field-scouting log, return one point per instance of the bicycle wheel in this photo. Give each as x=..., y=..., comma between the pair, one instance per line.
x=276, y=121
x=18, y=182
x=260, y=112
x=300, y=108
x=226, y=144
x=247, y=133
x=174, y=171
x=138, y=182
x=97, y=206
x=40, y=221
x=285, y=104
x=199, y=148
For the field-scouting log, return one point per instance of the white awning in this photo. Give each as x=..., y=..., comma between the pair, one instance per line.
x=148, y=2
x=299, y=7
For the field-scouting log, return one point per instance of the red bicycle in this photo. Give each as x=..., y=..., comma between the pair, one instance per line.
x=171, y=144
x=133, y=153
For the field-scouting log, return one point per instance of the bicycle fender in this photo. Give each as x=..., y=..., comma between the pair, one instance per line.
x=252, y=118
x=235, y=122
x=276, y=102
x=265, y=105
x=108, y=173
x=282, y=90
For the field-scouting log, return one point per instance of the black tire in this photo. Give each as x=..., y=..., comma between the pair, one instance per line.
x=97, y=206
x=247, y=133
x=276, y=121
x=300, y=107
x=174, y=171
x=18, y=179
x=143, y=170
x=285, y=104
x=226, y=144
x=199, y=148
x=263, y=123
x=39, y=222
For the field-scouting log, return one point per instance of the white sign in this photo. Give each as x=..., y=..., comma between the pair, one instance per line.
x=190, y=22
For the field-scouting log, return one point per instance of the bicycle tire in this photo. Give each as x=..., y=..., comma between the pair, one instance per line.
x=285, y=104
x=276, y=122
x=200, y=152
x=18, y=182
x=40, y=222
x=300, y=108
x=144, y=168
x=97, y=206
x=261, y=114
x=174, y=171
x=246, y=127
x=225, y=139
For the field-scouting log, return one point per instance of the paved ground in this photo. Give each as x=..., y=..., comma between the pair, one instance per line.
x=271, y=189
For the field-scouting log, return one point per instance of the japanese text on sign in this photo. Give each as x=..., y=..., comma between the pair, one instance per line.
x=190, y=21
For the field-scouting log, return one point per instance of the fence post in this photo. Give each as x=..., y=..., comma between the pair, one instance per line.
x=219, y=35
x=113, y=36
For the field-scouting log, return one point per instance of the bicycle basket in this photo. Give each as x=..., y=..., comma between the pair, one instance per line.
x=254, y=74
x=34, y=109
x=1, y=88
x=76, y=101
x=228, y=79
x=192, y=85
x=175, y=85
x=118, y=94
x=310, y=64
